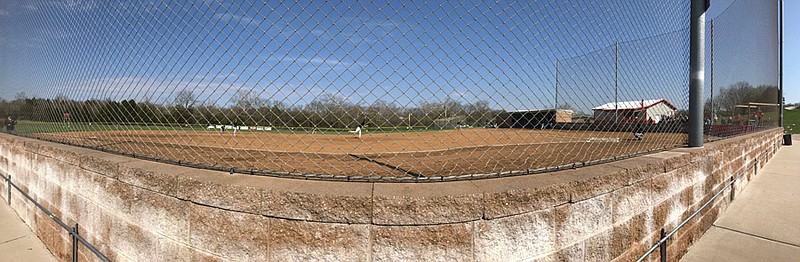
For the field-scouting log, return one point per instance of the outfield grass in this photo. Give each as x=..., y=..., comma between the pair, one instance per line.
x=31, y=127
x=367, y=130
x=792, y=117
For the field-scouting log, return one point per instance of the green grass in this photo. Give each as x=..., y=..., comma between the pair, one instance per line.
x=792, y=117
x=32, y=127
x=368, y=130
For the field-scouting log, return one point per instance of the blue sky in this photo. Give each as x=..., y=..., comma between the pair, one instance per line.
x=745, y=44
x=791, y=51
x=504, y=53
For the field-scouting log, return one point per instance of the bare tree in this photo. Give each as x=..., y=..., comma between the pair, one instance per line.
x=566, y=106
x=247, y=99
x=185, y=98
x=185, y=101
x=20, y=96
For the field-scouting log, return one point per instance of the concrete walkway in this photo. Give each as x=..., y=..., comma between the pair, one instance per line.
x=763, y=223
x=17, y=241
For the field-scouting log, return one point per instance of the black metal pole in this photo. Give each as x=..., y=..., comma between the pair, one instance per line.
x=663, y=245
x=711, y=69
x=780, y=63
x=696, y=71
x=75, y=243
x=556, y=104
x=616, y=82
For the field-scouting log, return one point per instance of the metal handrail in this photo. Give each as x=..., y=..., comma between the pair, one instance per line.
x=73, y=231
x=662, y=243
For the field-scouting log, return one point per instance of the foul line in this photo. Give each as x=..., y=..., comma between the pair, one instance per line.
x=488, y=146
x=398, y=152
x=586, y=140
x=387, y=165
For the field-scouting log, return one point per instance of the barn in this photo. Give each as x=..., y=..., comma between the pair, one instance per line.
x=642, y=111
x=545, y=118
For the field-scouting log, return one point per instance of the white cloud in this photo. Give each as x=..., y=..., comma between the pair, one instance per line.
x=319, y=61
x=56, y=34
x=69, y=5
x=232, y=18
x=212, y=2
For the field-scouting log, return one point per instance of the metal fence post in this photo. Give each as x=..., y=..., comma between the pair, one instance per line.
x=556, y=103
x=697, y=71
x=616, y=83
x=755, y=168
x=733, y=188
x=8, y=185
x=663, y=245
x=75, y=243
x=711, y=71
x=780, y=63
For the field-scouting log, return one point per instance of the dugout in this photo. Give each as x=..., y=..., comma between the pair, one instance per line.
x=546, y=118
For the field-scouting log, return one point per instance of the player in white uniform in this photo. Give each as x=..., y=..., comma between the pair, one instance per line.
x=358, y=128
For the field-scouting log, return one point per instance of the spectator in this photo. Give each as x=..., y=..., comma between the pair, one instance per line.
x=9, y=123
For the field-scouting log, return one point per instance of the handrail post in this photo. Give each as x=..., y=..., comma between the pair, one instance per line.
x=756, y=166
x=74, y=243
x=663, y=245
x=8, y=184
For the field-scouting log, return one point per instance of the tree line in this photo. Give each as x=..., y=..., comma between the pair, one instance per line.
x=326, y=111
x=740, y=100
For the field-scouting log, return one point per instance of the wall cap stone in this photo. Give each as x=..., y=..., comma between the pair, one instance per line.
x=376, y=202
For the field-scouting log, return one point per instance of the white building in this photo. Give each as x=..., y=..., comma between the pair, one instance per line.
x=642, y=111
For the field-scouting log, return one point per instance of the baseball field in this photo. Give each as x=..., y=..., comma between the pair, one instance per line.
x=397, y=154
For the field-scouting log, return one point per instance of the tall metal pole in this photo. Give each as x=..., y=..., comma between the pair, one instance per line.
x=616, y=82
x=711, y=68
x=780, y=64
x=556, y=105
x=696, y=71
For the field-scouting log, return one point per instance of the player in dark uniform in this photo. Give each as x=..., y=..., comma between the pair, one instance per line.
x=9, y=123
x=638, y=131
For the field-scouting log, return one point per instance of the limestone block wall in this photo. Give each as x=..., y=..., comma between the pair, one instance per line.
x=136, y=210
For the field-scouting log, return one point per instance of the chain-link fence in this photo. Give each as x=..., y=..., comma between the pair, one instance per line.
x=360, y=90
x=741, y=80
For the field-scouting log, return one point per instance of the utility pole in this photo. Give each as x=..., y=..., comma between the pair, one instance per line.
x=696, y=70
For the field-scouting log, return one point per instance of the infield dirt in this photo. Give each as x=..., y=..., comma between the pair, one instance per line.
x=435, y=153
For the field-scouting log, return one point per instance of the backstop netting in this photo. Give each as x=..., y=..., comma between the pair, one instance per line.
x=377, y=91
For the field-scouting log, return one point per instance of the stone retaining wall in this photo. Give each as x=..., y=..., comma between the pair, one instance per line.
x=139, y=210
